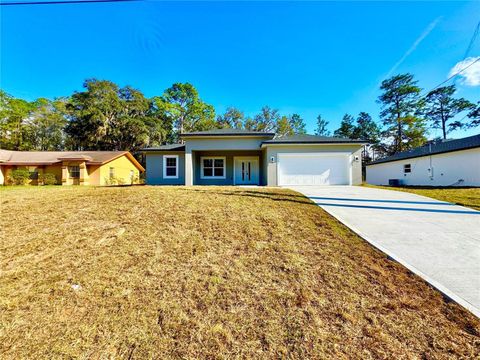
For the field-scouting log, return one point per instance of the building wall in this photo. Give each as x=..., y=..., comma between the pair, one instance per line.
x=55, y=170
x=93, y=174
x=219, y=143
x=97, y=175
x=47, y=169
x=273, y=151
x=123, y=167
x=446, y=170
x=155, y=168
x=231, y=143
x=229, y=170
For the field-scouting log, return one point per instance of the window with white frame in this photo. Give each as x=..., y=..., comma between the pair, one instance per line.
x=407, y=168
x=213, y=168
x=74, y=171
x=170, y=166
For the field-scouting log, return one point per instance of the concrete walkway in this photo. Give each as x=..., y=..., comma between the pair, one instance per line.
x=436, y=240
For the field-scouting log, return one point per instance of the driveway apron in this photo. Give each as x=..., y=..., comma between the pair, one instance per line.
x=438, y=241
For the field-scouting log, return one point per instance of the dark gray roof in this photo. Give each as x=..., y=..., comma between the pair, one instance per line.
x=312, y=139
x=435, y=148
x=229, y=132
x=168, y=147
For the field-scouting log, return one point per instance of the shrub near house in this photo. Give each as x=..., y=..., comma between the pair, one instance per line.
x=68, y=168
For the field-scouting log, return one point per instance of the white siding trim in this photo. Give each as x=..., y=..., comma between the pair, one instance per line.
x=165, y=157
x=224, y=158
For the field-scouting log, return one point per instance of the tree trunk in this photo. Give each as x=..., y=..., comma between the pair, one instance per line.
x=444, y=123
x=399, y=135
x=444, y=128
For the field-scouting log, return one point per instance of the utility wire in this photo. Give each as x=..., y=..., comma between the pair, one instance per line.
x=470, y=45
x=457, y=73
x=59, y=2
x=472, y=41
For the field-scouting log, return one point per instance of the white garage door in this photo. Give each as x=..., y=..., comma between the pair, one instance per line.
x=313, y=169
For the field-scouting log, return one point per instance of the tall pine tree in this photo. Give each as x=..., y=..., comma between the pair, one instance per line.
x=442, y=107
x=346, y=128
x=401, y=108
x=322, y=127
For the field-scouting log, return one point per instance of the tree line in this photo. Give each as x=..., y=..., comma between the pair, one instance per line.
x=105, y=116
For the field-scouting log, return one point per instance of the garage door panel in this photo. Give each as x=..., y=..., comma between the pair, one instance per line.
x=313, y=169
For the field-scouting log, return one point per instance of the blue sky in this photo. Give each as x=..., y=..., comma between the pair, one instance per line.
x=307, y=58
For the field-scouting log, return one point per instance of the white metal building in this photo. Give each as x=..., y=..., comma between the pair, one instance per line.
x=446, y=163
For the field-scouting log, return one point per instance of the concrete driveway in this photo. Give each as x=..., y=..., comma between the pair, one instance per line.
x=436, y=240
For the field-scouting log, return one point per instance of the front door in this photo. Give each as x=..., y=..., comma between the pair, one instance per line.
x=246, y=170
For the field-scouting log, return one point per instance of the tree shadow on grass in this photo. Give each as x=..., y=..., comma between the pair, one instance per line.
x=299, y=199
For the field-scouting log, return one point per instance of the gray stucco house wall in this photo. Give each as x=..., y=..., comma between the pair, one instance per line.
x=229, y=156
x=256, y=154
x=154, y=161
x=354, y=152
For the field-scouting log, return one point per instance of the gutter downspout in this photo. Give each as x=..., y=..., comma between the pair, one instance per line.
x=431, y=167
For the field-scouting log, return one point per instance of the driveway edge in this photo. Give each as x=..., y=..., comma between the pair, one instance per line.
x=412, y=268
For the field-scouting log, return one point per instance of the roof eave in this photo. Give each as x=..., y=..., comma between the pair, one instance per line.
x=29, y=163
x=269, y=143
x=386, y=160
x=187, y=135
x=179, y=149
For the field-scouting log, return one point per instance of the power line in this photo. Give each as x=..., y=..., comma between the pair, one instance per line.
x=472, y=40
x=57, y=2
x=457, y=73
x=470, y=45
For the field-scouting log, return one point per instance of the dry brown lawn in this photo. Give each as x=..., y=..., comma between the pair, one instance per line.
x=217, y=272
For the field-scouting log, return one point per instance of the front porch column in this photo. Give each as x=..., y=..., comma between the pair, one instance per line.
x=188, y=167
x=83, y=174
x=64, y=173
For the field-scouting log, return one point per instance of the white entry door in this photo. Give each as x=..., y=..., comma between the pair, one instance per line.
x=246, y=170
x=313, y=169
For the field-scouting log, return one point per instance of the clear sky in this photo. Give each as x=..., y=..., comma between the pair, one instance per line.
x=302, y=57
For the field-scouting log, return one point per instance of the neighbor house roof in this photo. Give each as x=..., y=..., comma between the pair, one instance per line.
x=168, y=147
x=440, y=147
x=229, y=132
x=9, y=157
x=312, y=139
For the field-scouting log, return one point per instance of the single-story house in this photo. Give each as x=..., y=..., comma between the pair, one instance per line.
x=242, y=157
x=72, y=167
x=441, y=163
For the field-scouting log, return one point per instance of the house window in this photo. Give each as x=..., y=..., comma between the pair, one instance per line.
x=213, y=168
x=407, y=168
x=170, y=166
x=112, y=172
x=74, y=171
